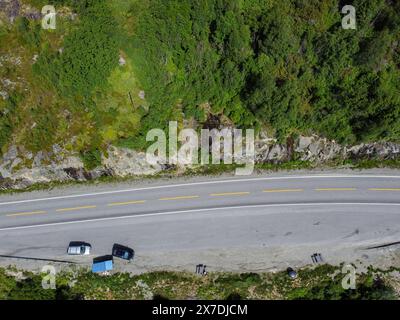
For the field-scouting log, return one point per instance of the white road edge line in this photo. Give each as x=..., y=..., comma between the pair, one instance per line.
x=201, y=183
x=199, y=210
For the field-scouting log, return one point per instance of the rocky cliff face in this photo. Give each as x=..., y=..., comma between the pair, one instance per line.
x=20, y=169
x=319, y=150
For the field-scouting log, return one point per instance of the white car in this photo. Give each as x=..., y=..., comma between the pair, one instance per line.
x=79, y=248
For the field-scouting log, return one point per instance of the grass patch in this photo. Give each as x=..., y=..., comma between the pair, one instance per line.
x=320, y=283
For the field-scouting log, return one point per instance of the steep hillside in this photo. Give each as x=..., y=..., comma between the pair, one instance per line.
x=112, y=70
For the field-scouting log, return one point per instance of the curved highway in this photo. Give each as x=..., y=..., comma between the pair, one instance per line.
x=241, y=217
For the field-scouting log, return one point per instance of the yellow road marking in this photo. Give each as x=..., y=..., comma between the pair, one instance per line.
x=179, y=198
x=229, y=194
x=126, y=203
x=75, y=209
x=384, y=189
x=282, y=190
x=336, y=189
x=25, y=213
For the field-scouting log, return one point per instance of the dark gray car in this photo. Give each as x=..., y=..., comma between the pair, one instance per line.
x=123, y=252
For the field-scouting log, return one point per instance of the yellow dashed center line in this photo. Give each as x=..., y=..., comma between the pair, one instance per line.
x=76, y=208
x=384, y=189
x=229, y=194
x=336, y=189
x=282, y=190
x=179, y=198
x=25, y=213
x=126, y=203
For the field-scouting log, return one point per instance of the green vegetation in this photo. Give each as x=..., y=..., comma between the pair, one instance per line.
x=91, y=159
x=89, y=54
x=8, y=118
x=285, y=66
x=323, y=282
x=65, y=76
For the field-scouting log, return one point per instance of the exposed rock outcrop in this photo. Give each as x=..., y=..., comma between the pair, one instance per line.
x=320, y=150
x=47, y=167
x=20, y=168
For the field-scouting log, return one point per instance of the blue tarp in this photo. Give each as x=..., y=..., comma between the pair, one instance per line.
x=102, y=266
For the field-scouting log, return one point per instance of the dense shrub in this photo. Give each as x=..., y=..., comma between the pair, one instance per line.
x=91, y=159
x=89, y=54
x=288, y=64
x=8, y=120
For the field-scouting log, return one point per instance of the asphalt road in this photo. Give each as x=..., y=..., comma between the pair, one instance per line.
x=245, y=223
